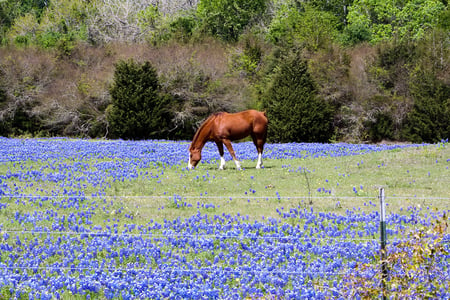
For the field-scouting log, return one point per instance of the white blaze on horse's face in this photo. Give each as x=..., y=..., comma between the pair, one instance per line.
x=194, y=157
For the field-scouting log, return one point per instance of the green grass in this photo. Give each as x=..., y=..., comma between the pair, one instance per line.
x=410, y=177
x=416, y=177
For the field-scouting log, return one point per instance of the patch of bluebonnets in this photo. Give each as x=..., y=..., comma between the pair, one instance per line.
x=60, y=250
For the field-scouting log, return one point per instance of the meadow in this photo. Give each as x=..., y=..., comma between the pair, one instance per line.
x=83, y=219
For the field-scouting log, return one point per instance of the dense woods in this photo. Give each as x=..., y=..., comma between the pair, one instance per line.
x=335, y=70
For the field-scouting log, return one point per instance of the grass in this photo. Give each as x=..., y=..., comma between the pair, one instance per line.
x=410, y=177
x=157, y=193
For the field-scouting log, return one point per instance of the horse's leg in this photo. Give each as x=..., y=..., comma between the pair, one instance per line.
x=233, y=155
x=259, y=163
x=259, y=144
x=222, y=160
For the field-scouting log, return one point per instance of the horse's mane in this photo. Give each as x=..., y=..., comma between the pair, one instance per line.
x=204, y=124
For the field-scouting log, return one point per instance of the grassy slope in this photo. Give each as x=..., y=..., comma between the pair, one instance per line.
x=411, y=177
x=416, y=176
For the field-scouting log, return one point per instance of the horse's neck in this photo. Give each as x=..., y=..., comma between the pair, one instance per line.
x=198, y=144
x=202, y=136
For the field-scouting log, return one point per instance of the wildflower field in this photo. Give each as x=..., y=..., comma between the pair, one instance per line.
x=85, y=219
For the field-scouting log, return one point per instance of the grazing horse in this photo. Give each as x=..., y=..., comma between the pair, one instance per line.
x=222, y=128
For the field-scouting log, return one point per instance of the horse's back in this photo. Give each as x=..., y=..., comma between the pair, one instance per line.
x=252, y=115
x=260, y=121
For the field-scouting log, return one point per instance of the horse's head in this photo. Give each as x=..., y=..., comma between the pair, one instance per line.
x=195, y=155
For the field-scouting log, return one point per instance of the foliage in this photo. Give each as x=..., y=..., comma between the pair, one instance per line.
x=382, y=127
x=411, y=264
x=306, y=26
x=249, y=59
x=138, y=110
x=183, y=26
x=392, y=19
x=58, y=26
x=313, y=23
x=227, y=19
x=372, y=86
x=338, y=8
x=10, y=10
x=295, y=111
x=429, y=120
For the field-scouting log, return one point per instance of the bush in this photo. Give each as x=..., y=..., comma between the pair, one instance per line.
x=138, y=110
x=307, y=26
x=183, y=27
x=19, y=120
x=429, y=120
x=227, y=19
x=295, y=111
x=381, y=128
x=411, y=265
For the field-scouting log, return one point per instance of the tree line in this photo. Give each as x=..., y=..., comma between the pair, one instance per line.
x=360, y=70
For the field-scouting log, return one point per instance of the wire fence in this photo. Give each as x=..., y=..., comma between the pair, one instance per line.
x=169, y=197
x=285, y=240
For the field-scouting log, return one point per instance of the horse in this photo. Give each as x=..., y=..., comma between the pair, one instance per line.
x=222, y=128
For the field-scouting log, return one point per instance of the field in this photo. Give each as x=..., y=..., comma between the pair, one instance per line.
x=125, y=219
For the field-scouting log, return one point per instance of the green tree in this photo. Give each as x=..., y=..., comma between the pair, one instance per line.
x=228, y=18
x=295, y=111
x=138, y=110
x=307, y=26
x=429, y=120
x=339, y=8
x=382, y=20
x=57, y=23
x=11, y=9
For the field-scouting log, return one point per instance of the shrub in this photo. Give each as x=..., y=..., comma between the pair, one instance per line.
x=228, y=18
x=138, y=110
x=182, y=27
x=295, y=111
x=381, y=128
x=247, y=60
x=429, y=120
x=308, y=26
x=413, y=271
x=19, y=120
x=384, y=20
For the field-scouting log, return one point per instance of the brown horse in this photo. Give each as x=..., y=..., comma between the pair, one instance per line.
x=222, y=128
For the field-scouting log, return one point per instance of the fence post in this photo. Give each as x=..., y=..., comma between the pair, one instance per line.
x=383, y=244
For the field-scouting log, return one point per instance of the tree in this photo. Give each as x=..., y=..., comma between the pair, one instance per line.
x=295, y=111
x=138, y=20
x=138, y=110
x=117, y=20
x=382, y=20
x=429, y=120
x=339, y=8
x=56, y=23
x=228, y=18
x=307, y=26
